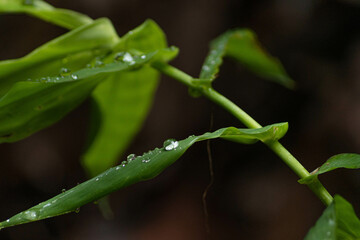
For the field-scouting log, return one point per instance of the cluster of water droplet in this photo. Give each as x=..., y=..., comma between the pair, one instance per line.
x=64, y=72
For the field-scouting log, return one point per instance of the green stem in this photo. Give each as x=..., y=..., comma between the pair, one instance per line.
x=248, y=121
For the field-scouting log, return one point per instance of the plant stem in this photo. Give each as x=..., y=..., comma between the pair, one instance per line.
x=248, y=121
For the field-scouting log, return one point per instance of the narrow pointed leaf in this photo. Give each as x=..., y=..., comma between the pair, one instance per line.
x=40, y=9
x=344, y=160
x=32, y=105
x=338, y=222
x=72, y=51
x=136, y=169
x=123, y=100
x=243, y=46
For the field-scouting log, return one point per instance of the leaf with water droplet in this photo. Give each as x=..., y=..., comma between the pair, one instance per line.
x=338, y=222
x=144, y=167
x=242, y=45
x=123, y=100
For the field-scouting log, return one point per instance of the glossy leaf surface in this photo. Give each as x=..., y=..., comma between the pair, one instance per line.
x=344, y=160
x=136, y=169
x=242, y=45
x=32, y=105
x=338, y=222
x=123, y=99
x=40, y=9
x=72, y=51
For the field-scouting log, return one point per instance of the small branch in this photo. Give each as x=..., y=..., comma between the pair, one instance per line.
x=248, y=121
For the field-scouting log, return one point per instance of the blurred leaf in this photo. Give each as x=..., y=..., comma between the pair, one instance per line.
x=72, y=50
x=344, y=160
x=338, y=222
x=135, y=169
x=30, y=106
x=40, y=9
x=242, y=45
x=122, y=102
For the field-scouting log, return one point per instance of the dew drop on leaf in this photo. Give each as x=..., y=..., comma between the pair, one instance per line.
x=30, y=215
x=123, y=163
x=130, y=157
x=65, y=72
x=170, y=144
x=28, y=2
x=146, y=160
x=74, y=77
x=99, y=63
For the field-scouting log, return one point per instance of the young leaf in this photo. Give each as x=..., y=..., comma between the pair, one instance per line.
x=32, y=105
x=72, y=51
x=122, y=101
x=338, y=222
x=40, y=9
x=242, y=45
x=344, y=160
x=136, y=169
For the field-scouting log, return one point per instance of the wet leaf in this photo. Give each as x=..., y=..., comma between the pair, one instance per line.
x=135, y=169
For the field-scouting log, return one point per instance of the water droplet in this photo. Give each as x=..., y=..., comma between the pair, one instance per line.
x=128, y=58
x=130, y=157
x=43, y=80
x=30, y=215
x=143, y=56
x=117, y=168
x=123, y=163
x=28, y=2
x=99, y=63
x=8, y=220
x=97, y=179
x=119, y=56
x=74, y=76
x=47, y=205
x=146, y=160
x=65, y=72
x=170, y=144
x=205, y=68
x=77, y=210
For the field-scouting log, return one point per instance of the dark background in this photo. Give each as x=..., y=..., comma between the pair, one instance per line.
x=255, y=195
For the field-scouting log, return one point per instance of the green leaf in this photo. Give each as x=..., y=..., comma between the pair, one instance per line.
x=32, y=105
x=72, y=50
x=338, y=222
x=344, y=160
x=123, y=100
x=242, y=45
x=136, y=169
x=40, y=9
